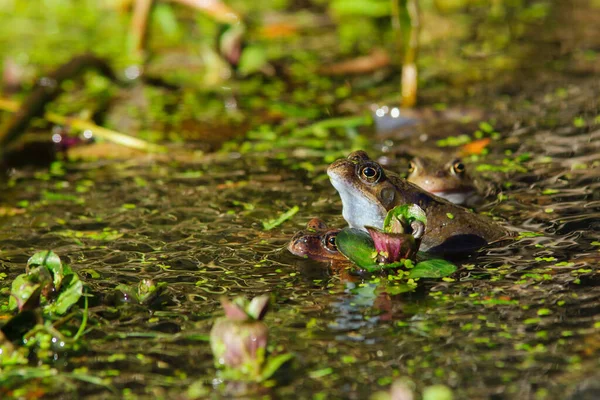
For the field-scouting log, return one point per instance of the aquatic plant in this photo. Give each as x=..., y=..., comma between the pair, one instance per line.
x=145, y=292
x=39, y=333
x=405, y=390
x=400, y=238
x=393, y=247
x=239, y=341
x=47, y=282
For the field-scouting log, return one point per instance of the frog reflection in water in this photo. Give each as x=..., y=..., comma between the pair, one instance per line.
x=449, y=181
x=317, y=242
x=368, y=193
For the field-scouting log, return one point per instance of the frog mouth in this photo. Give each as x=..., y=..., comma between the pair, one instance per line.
x=358, y=209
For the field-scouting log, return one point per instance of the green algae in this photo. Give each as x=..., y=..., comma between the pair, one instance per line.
x=273, y=223
x=486, y=319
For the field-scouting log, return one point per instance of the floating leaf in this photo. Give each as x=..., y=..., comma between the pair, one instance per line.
x=357, y=246
x=61, y=197
x=381, y=266
x=393, y=290
x=436, y=268
x=272, y=223
x=360, y=247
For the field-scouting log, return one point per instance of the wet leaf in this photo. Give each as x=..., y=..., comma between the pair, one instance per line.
x=49, y=260
x=23, y=288
x=436, y=268
x=357, y=246
x=33, y=301
x=68, y=296
x=47, y=278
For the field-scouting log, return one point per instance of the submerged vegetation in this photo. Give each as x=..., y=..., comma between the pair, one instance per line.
x=40, y=331
x=275, y=86
x=159, y=156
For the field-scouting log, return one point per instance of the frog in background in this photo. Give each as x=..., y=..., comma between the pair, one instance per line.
x=448, y=180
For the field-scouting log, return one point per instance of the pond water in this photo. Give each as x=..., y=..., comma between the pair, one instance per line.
x=515, y=322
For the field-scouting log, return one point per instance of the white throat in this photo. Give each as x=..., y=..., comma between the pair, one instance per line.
x=357, y=209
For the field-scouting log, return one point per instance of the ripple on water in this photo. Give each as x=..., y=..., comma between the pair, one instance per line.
x=515, y=317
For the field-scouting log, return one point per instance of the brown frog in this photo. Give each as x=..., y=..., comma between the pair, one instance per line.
x=368, y=193
x=448, y=180
x=317, y=242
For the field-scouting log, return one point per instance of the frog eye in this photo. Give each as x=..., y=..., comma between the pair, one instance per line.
x=411, y=167
x=458, y=167
x=370, y=172
x=329, y=241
